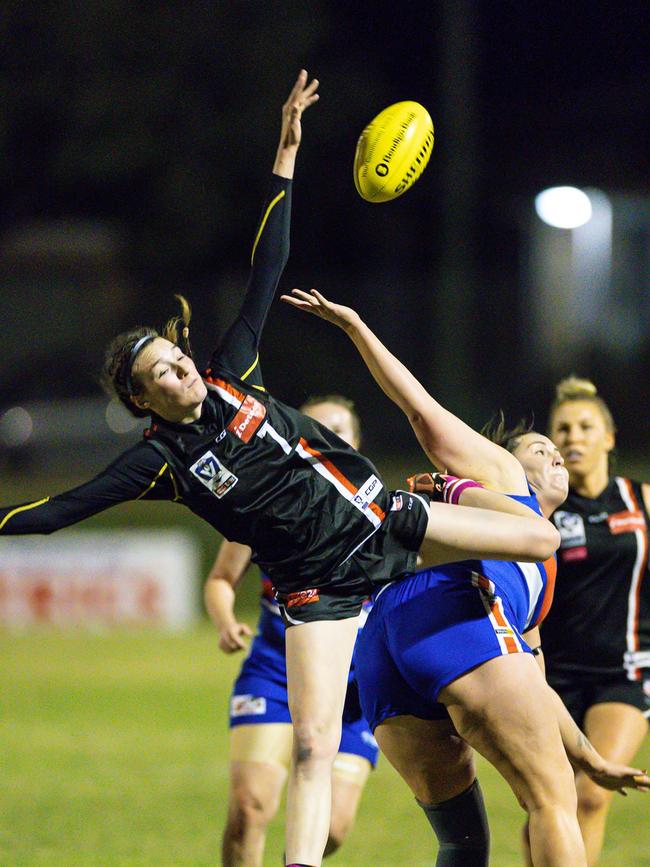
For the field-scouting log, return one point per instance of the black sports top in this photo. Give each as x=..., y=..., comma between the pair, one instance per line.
x=600, y=618
x=257, y=470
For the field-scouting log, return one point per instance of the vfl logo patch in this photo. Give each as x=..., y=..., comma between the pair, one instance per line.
x=572, y=529
x=303, y=597
x=247, y=705
x=250, y=416
x=210, y=472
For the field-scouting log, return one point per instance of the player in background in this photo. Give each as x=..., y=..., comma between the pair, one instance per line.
x=455, y=634
x=596, y=638
x=260, y=723
x=315, y=512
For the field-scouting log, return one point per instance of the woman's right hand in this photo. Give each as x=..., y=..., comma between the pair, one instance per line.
x=313, y=302
x=234, y=637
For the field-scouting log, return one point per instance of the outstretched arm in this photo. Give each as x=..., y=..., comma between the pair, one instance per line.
x=580, y=751
x=219, y=594
x=140, y=473
x=238, y=351
x=449, y=443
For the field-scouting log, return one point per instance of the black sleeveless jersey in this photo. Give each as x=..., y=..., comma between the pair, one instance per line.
x=258, y=471
x=600, y=618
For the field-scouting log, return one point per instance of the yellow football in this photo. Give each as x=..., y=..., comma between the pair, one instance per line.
x=393, y=151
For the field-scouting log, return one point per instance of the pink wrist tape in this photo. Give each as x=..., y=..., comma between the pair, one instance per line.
x=454, y=487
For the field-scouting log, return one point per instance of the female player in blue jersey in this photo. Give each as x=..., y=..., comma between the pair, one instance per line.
x=260, y=723
x=453, y=636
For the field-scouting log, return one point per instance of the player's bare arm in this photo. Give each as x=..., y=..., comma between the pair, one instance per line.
x=449, y=443
x=219, y=595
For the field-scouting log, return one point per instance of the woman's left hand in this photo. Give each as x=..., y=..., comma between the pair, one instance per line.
x=314, y=302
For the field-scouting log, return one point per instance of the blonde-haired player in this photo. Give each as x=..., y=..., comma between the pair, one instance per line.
x=596, y=639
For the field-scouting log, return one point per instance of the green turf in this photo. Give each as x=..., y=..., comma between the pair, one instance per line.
x=113, y=750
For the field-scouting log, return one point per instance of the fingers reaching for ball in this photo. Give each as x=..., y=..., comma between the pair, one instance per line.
x=302, y=95
x=316, y=303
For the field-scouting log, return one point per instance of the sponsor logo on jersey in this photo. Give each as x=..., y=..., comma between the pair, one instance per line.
x=397, y=503
x=572, y=529
x=302, y=597
x=625, y=522
x=367, y=492
x=568, y=555
x=249, y=417
x=210, y=472
x=597, y=519
x=247, y=705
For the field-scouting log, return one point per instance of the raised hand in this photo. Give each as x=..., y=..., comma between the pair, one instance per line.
x=314, y=302
x=301, y=97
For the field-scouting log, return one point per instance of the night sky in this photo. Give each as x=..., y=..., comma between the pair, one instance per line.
x=159, y=122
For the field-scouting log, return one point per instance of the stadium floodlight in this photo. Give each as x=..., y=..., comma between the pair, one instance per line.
x=119, y=419
x=563, y=207
x=16, y=427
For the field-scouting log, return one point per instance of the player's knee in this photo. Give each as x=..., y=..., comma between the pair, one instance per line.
x=592, y=799
x=315, y=742
x=340, y=827
x=249, y=811
x=554, y=790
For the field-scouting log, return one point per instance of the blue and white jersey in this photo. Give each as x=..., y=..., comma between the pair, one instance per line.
x=528, y=586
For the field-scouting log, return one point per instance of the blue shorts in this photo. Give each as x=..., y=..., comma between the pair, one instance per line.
x=259, y=697
x=424, y=632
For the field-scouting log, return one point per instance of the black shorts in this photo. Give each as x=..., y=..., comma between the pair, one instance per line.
x=388, y=554
x=579, y=691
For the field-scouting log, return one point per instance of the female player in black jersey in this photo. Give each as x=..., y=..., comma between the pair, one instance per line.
x=455, y=634
x=596, y=638
x=314, y=511
x=260, y=723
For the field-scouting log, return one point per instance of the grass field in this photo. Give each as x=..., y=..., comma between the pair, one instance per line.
x=114, y=752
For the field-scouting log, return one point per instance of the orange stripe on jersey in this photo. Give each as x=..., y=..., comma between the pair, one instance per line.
x=484, y=583
x=338, y=475
x=550, y=567
x=642, y=571
x=226, y=386
x=497, y=613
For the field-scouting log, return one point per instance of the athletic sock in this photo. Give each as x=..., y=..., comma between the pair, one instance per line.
x=462, y=829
